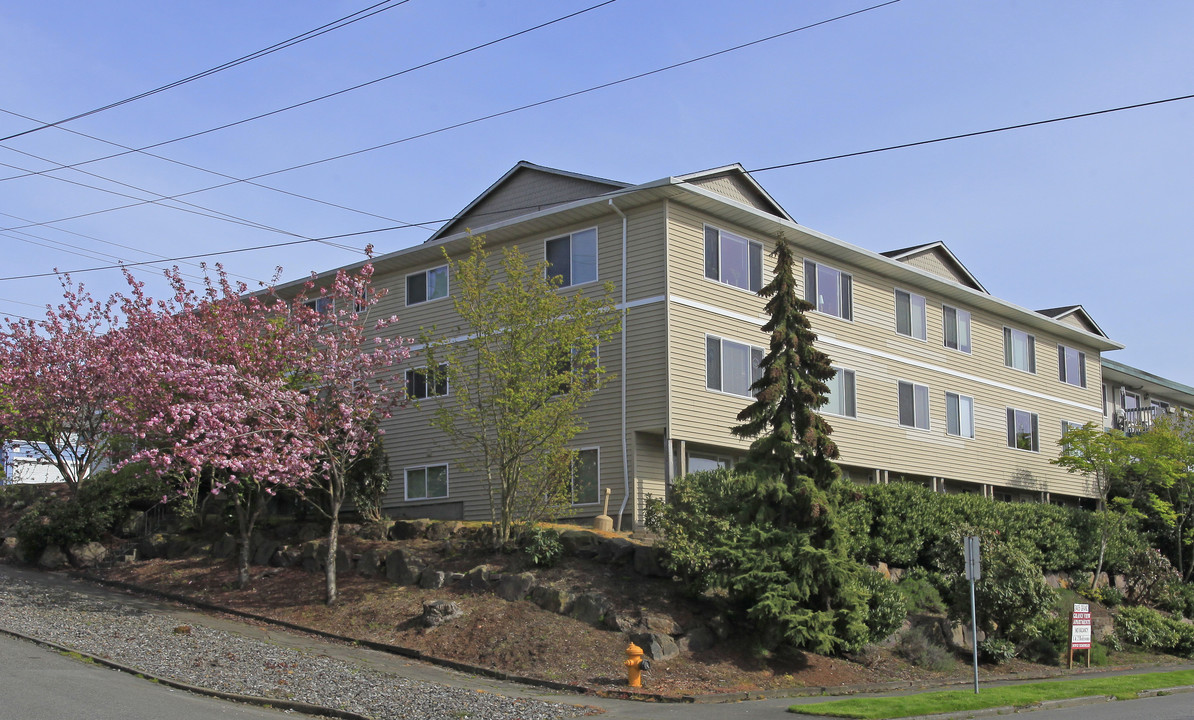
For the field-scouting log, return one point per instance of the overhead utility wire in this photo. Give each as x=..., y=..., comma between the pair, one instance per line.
x=322, y=29
x=635, y=189
x=314, y=100
x=492, y=115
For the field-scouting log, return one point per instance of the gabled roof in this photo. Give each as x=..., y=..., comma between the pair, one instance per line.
x=524, y=189
x=1074, y=315
x=943, y=254
x=735, y=183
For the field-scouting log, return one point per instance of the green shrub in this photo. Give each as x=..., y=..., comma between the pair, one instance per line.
x=1099, y=654
x=886, y=607
x=918, y=648
x=1149, y=575
x=920, y=594
x=542, y=546
x=1178, y=599
x=1149, y=629
x=367, y=482
x=996, y=650
x=1012, y=593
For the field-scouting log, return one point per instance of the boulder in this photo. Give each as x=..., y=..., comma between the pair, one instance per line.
x=374, y=530
x=403, y=568
x=349, y=529
x=52, y=558
x=647, y=562
x=883, y=570
x=154, y=546
x=444, y=530
x=178, y=548
x=453, y=578
x=432, y=579
x=224, y=547
x=897, y=574
x=369, y=564
x=287, y=556
x=515, y=587
x=477, y=579
x=437, y=612
x=615, y=551
x=659, y=623
x=87, y=555
x=262, y=552
x=409, y=529
x=343, y=560
x=8, y=547
x=579, y=542
x=619, y=622
x=309, y=532
x=656, y=646
x=698, y=639
x=591, y=608
x=551, y=599
x=313, y=555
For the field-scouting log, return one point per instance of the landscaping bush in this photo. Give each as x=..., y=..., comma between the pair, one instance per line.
x=1148, y=629
x=887, y=608
x=542, y=546
x=996, y=650
x=918, y=648
x=367, y=482
x=920, y=594
x=1178, y=599
x=1012, y=593
x=1149, y=576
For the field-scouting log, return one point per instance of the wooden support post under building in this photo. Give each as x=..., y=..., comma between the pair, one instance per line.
x=683, y=459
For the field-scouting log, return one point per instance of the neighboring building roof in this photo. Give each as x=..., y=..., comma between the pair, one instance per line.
x=946, y=263
x=525, y=188
x=1150, y=379
x=1075, y=315
x=735, y=183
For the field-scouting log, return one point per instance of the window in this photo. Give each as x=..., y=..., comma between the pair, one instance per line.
x=1022, y=430
x=959, y=415
x=910, y=314
x=733, y=260
x=1131, y=401
x=1071, y=366
x=956, y=328
x=426, y=482
x=573, y=258
x=420, y=384
x=321, y=305
x=731, y=367
x=701, y=463
x=1104, y=400
x=841, y=394
x=1019, y=350
x=829, y=290
x=914, y=405
x=1067, y=426
x=427, y=285
x=1159, y=406
x=586, y=481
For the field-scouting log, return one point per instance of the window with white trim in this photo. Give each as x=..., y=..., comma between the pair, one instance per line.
x=1019, y=350
x=914, y=405
x=910, y=314
x=733, y=260
x=586, y=477
x=731, y=367
x=427, y=285
x=426, y=482
x=420, y=383
x=1067, y=426
x=1071, y=366
x=702, y=463
x=959, y=415
x=321, y=305
x=841, y=397
x=1022, y=430
x=956, y=328
x=573, y=258
x=829, y=290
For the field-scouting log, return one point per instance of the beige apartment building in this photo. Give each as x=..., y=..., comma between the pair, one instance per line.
x=939, y=382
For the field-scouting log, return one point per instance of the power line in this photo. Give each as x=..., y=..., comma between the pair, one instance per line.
x=502, y=113
x=322, y=29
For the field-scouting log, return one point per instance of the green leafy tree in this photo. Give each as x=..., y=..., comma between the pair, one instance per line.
x=1163, y=461
x=768, y=535
x=517, y=383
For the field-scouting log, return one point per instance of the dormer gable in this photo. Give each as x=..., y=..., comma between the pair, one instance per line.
x=1074, y=316
x=524, y=189
x=936, y=258
x=733, y=182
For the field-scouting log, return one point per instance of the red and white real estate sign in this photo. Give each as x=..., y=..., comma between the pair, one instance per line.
x=1080, y=635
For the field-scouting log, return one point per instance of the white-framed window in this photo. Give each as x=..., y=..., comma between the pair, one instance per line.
x=699, y=462
x=1068, y=425
x=829, y=290
x=1019, y=350
x=959, y=415
x=841, y=398
x=1131, y=400
x=321, y=305
x=956, y=328
x=910, y=315
x=426, y=482
x=731, y=367
x=733, y=260
x=572, y=258
x=422, y=384
x=1071, y=366
x=1160, y=406
x=1022, y=430
x=586, y=476
x=914, y=405
x=427, y=285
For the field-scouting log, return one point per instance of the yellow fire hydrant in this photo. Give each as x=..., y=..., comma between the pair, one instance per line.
x=634, y=665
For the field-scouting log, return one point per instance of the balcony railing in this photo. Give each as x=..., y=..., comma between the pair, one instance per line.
x=1138, y=420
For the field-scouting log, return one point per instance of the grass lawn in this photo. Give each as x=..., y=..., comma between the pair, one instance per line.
x=1122, y=688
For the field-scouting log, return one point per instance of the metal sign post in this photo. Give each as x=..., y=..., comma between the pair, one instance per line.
x=973, y=572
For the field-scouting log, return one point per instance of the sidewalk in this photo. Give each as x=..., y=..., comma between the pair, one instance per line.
x=416, y=670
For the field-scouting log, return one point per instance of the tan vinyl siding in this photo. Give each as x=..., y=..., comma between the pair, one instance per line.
x=880, y=357
x=647, y=369
x=525, y=192
x=650, y=470
x=932, y=262
x=735, y=188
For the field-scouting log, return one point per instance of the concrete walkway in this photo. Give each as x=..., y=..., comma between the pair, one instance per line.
x=417, y=670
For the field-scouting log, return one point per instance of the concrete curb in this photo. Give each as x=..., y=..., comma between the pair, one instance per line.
x=280, y=703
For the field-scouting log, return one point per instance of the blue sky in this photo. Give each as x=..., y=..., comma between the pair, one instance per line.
x=1095, y=211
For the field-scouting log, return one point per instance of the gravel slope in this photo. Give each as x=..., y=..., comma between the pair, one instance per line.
x=232, y=663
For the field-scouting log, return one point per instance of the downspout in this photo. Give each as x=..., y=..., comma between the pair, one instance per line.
x=625, y=457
